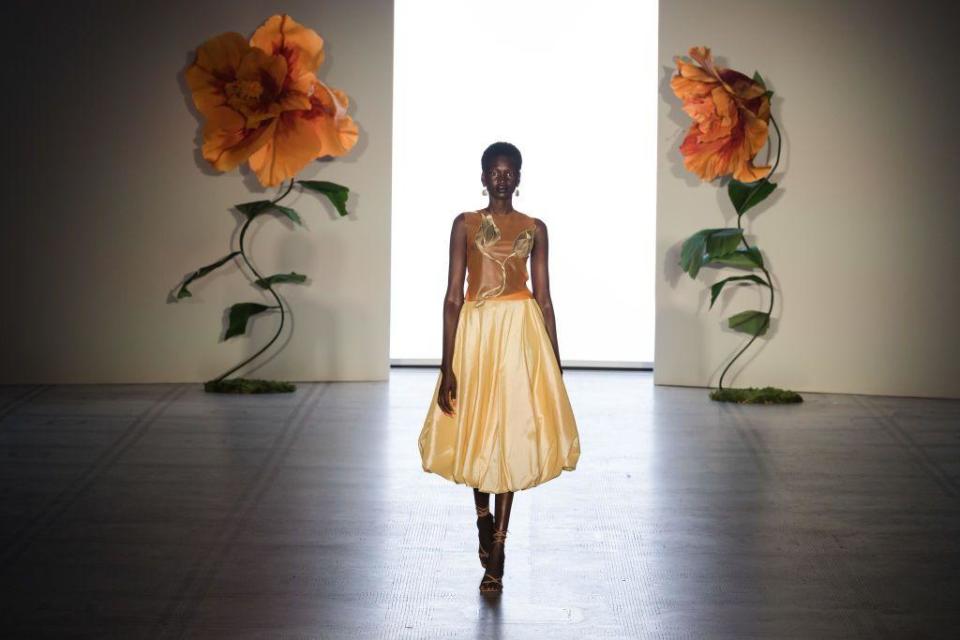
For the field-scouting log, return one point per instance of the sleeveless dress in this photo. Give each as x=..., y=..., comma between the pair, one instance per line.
x=512, y=426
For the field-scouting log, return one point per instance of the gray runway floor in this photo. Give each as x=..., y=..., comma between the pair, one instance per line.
x=160, y=511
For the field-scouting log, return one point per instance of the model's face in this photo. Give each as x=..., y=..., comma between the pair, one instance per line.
x=501, y=177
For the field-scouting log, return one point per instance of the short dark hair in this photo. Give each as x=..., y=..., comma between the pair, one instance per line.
x=500, y=149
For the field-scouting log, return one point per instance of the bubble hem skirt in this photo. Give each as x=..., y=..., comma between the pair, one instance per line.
x=513, y=427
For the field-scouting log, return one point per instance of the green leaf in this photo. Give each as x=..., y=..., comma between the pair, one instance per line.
x=759, y=80
x=745, y=195
x=290, y=213
x=753, y=322
x=199, y=273
x=691, y=253
x=706, y=245
x=716, y=288
x=721, y=242
x=743, y=259
x=253, y=209
x=239, y=314
x=336, y=193
x=281, y=277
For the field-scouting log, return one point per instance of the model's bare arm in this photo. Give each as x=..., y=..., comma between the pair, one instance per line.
x=540, y=275
x=452, y=302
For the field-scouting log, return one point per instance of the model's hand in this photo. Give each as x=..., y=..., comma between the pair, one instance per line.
x=447, y=397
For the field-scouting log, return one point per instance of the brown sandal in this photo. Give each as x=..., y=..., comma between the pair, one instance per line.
x=485, y=533
x=490, y=582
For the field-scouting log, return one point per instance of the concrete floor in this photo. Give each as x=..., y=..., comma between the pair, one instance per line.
x=159, y=511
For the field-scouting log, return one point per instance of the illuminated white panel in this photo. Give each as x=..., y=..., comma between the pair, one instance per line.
x=574, y=86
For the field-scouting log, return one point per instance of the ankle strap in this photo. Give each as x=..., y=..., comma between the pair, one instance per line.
x=499, y=537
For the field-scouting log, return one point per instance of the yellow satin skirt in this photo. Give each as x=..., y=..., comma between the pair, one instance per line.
x=512, y=427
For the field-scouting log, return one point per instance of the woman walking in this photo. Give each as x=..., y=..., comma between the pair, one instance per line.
x=500, y=420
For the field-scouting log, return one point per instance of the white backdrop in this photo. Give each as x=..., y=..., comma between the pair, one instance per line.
x=574, y=86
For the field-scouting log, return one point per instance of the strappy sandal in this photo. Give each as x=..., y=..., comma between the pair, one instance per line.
x=485, y=533
x=492, y=583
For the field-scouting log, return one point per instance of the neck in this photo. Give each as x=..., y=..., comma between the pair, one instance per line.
x=500, y=205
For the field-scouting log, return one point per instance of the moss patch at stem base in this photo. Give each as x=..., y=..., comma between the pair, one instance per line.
x=248, y=385
x=756, y=395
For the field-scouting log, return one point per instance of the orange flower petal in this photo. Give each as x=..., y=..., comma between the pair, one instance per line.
x=336, y=130
x=227, y=142
x=755, y=132
x=268, y=70
x=703, y=57
x=341, y=97
x=263, y=102
x=730, y=113
x=221, y=54
x=294, y=143
x=730, y=154
x=760, y=106
x=216, y=60
x=687, y=89
x=224, y=117
x=751, y=174
x=258, y=84
x=699, y=158
x=282, y=35
x=755, y=136
x=725, y=108
x=293, y=101
x=302, y=84
x=743, y=87
x=700, y=110
x=693, y=72
x=337, y=139
x=258, y=92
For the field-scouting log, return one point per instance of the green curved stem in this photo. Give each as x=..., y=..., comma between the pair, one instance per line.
x=243, y=254
x=765, y=272
x=779, y=140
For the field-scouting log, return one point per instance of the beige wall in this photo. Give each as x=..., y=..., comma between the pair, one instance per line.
x=862, y=233
x=108, y=203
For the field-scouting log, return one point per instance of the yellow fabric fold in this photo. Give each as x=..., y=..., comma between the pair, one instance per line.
x=513, y=427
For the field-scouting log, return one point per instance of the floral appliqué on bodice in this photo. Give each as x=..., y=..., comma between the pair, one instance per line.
x=487, y=236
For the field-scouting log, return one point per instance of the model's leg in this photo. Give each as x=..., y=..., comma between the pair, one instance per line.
x=504, y=501
x=481, y=501
x=492, y=579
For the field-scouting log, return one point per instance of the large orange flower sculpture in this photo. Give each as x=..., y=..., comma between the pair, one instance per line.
x=264, y=104
x=730, y=113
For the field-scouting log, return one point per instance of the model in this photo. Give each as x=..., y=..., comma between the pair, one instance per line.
x=500, y=420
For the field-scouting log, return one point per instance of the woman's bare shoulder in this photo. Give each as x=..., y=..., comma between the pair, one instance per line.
x=462, y=219
x=528, y=216
x=540, y=224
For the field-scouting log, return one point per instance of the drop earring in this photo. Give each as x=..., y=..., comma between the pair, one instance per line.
x=484, y=191
x=517, y=192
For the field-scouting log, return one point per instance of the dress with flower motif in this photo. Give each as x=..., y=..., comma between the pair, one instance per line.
x=513, y=425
